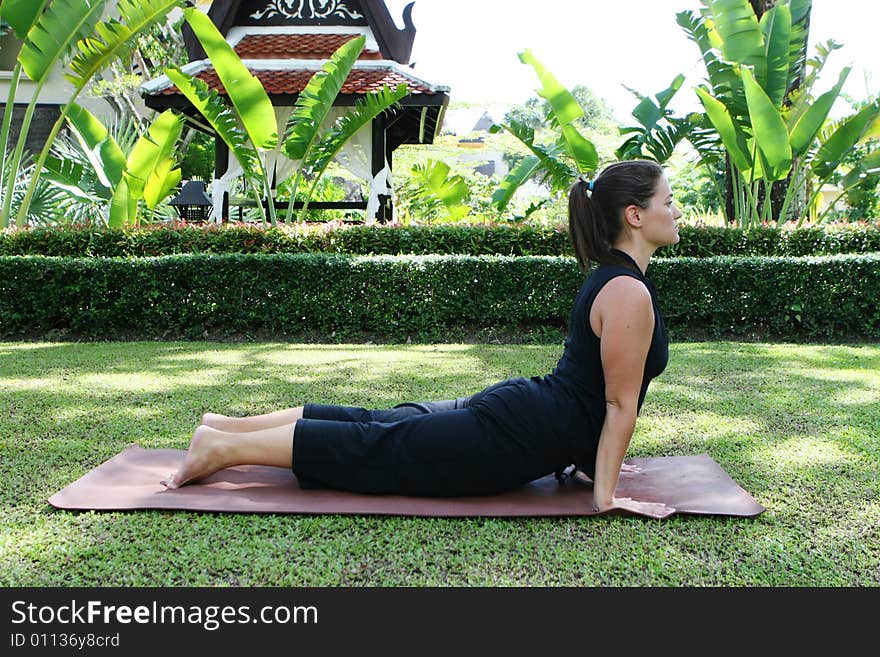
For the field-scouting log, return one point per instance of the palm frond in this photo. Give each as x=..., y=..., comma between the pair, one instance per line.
x=102, y=151
x=566, y=110
x=801, y=11
x=436, y=176
x=776, y=27
x=659, y=132
x=152, y=150
x=49, y=204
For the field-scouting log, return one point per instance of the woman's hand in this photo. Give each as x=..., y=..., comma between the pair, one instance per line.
x=650, y=509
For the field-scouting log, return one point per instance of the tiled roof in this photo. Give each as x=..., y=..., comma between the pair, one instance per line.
x=296, y=46
x=360, y=81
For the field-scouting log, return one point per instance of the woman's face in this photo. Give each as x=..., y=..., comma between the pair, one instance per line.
x=659, y=219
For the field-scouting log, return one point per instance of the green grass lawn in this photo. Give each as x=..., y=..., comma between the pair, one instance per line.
x=796, y=426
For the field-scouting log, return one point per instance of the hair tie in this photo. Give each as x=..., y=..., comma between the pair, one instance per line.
x=591, y=184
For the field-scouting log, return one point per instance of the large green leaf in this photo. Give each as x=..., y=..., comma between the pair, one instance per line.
x=566, y=111
x=563, y=104
x=367, y=109
x=742, y=41
x=55, y=33
x=517, y=177
x=731, y=136
x=99, y=146
x=776, y=26
x=805, y=130
x=580, y=149
x=151, y=150
x=768, y=128
x=850, y=132
x=245, y=91
x=208, y=102
x=22, y=14
x=162, y=182
x=873, y=129
x=315, y=102
x=868, y=166
x=123, y=207
x=665, y=97
x=113, y=38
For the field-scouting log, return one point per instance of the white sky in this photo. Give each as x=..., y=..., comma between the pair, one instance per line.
x=472, y=46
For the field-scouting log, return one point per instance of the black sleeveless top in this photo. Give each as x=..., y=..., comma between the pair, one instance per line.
x=579, y=370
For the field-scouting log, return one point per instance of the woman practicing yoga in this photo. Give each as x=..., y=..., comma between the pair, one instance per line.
x=584, y=413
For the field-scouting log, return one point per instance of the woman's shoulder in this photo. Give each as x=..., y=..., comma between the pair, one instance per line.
x=604, y=273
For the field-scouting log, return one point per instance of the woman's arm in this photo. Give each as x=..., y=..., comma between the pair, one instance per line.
x=623, y=317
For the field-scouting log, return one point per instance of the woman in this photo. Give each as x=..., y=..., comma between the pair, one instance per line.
x=515, y=431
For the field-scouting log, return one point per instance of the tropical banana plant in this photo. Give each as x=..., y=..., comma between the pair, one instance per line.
x=731, y=40
x=779, y=140
x=147, y=172
x=557, y=164
x=769, y=127
x=68, y=33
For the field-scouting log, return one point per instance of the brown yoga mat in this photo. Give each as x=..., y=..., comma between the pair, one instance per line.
x=130, y=480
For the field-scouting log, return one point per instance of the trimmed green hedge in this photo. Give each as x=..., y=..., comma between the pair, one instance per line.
x=421, y=240
x=423, y=298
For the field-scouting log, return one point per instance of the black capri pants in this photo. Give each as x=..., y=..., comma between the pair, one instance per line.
x=434, y=449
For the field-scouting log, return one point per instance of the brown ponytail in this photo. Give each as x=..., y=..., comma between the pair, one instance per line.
x=595, y=218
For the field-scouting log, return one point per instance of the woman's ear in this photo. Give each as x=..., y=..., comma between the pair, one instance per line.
x=632, y=216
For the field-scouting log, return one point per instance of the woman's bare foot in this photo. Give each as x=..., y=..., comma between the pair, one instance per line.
x=216, y=421
x=208, y=453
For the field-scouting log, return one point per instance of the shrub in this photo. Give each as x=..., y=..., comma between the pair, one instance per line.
x=510, y=240
x=423, y=298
